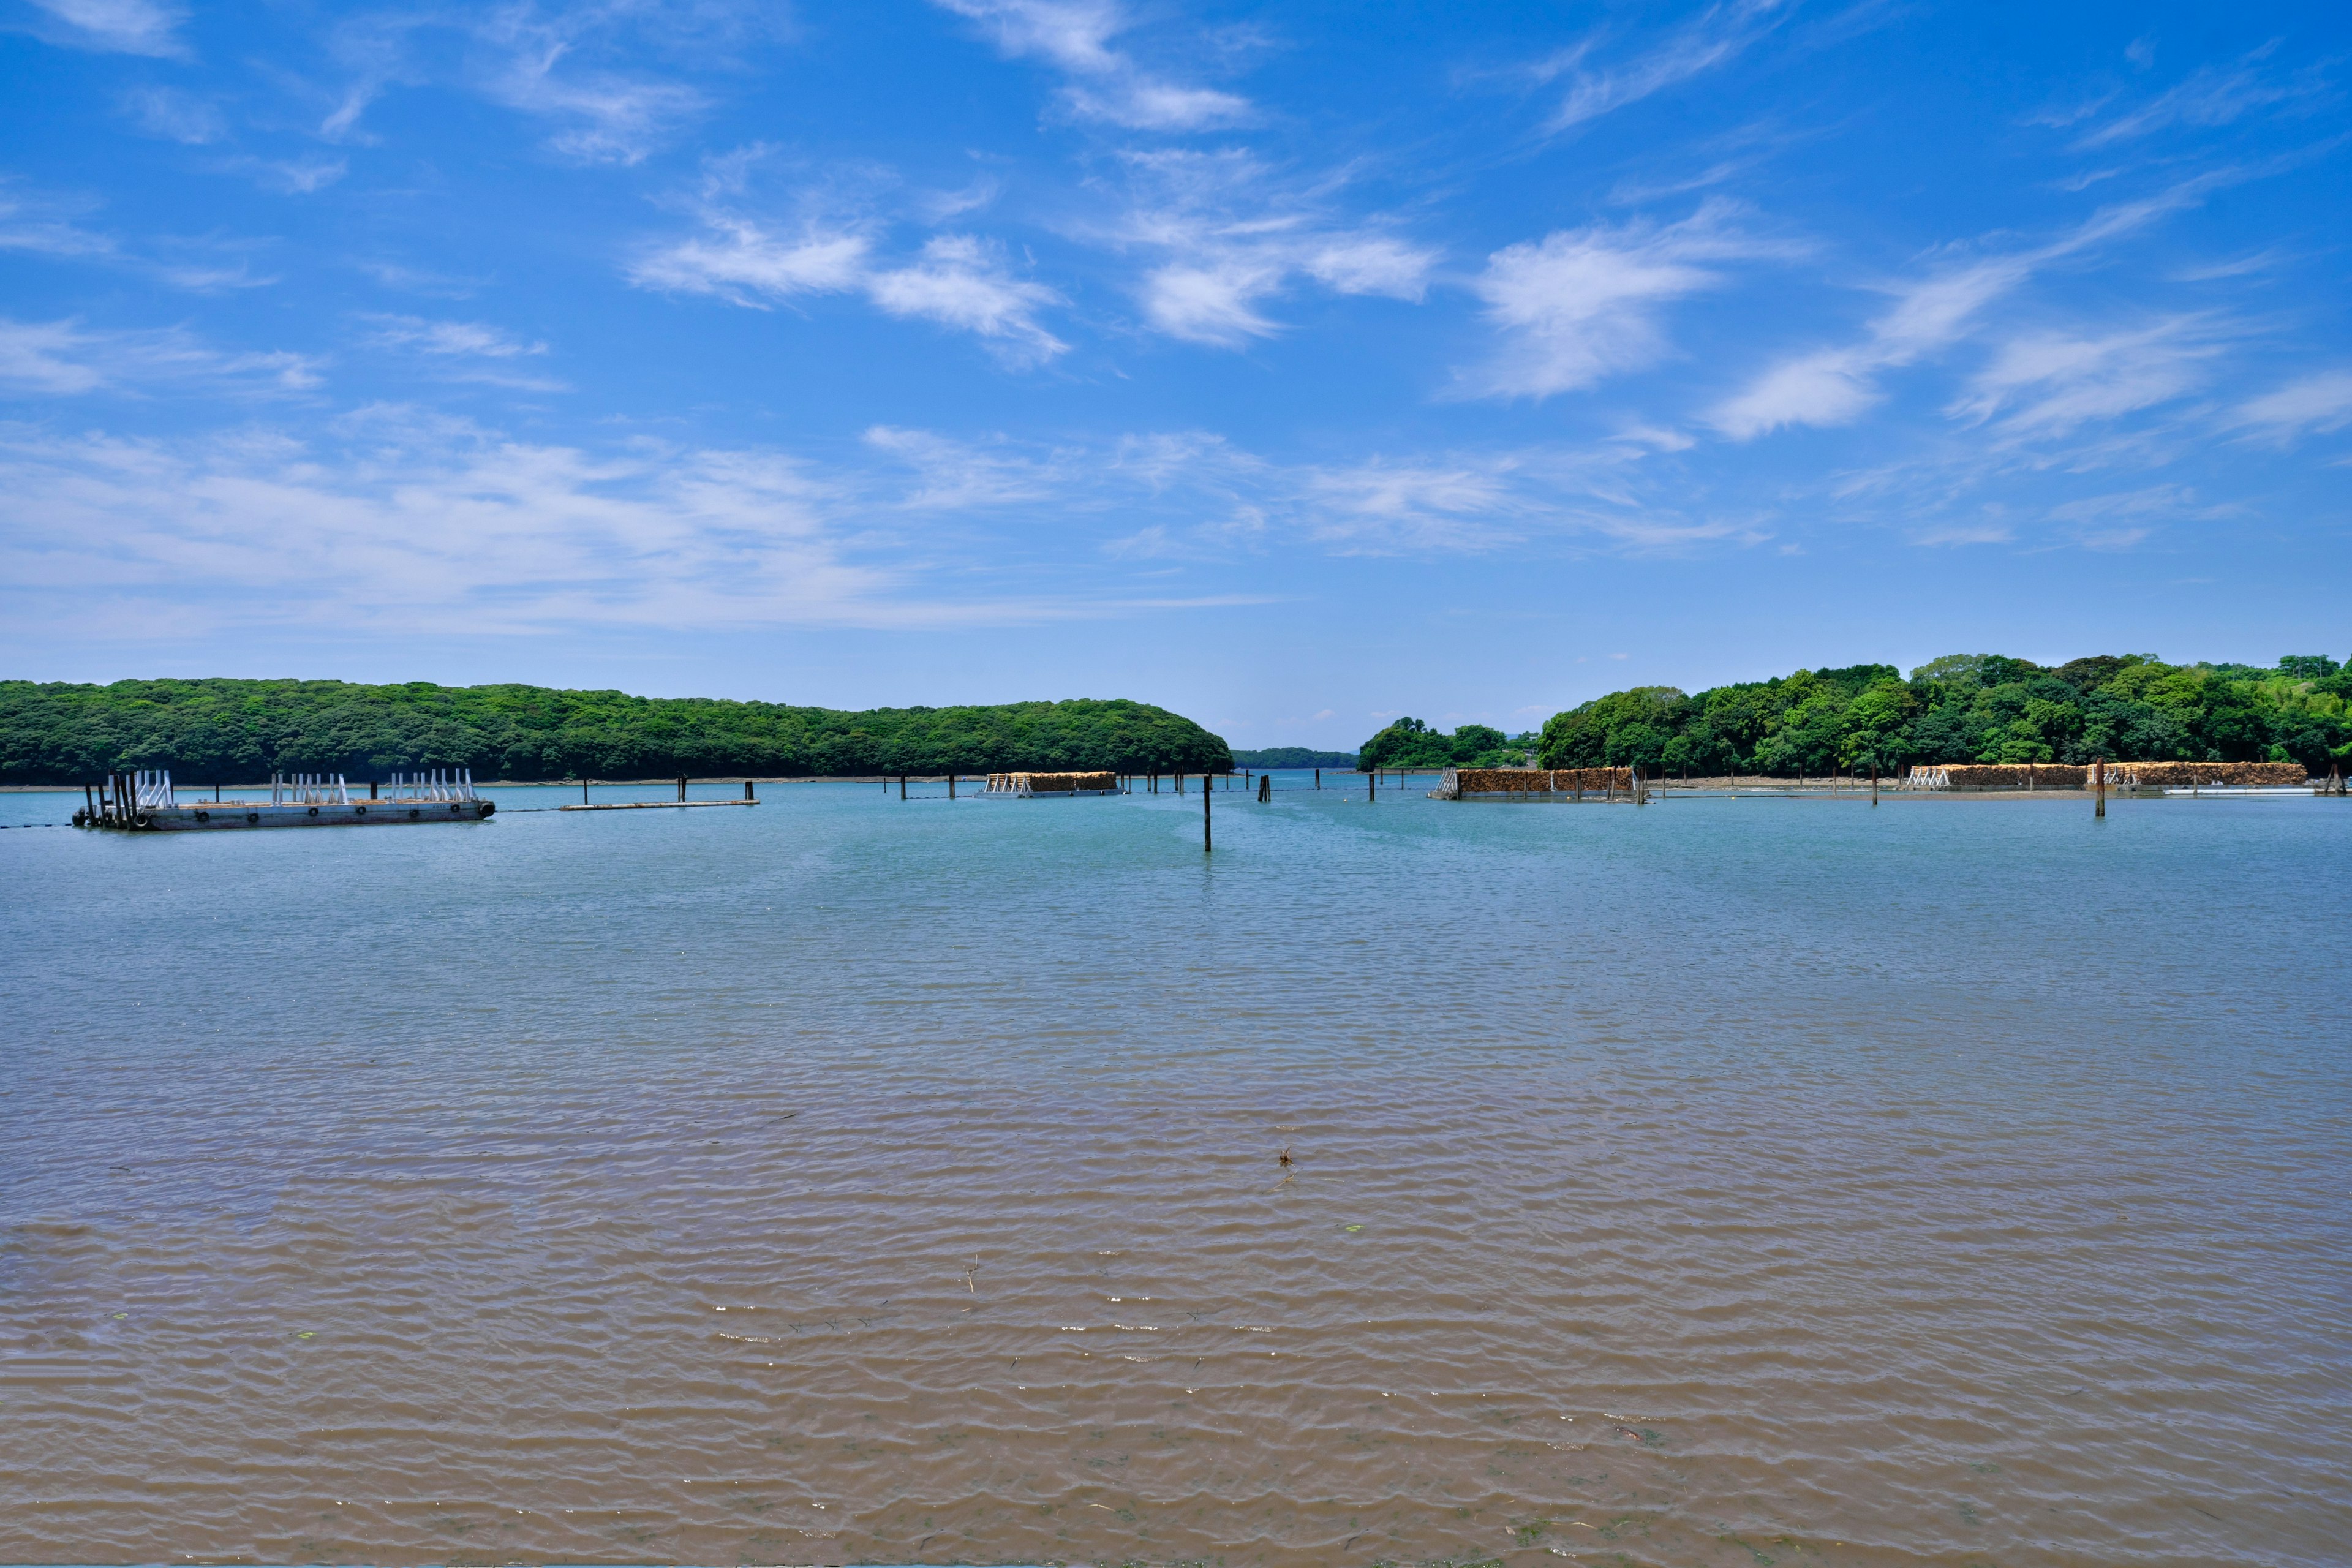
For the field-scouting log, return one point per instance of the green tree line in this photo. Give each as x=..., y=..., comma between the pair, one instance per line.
x=1970, y=708
x=232, y=732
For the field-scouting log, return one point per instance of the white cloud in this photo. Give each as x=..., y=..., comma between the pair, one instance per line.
x=399, y=522
x=1713, y=40
x=2050, y=383
x=952, y=475
x=963, y=282
x=1230, y=236
x=1835, y=385
x=1074, y=37
x=1582, y=304
x=117, y=26
x=45, y=226
x=174, y=115
x=288, y=176
x=589, y=71
x=64, y=358
x=2320, y=403
x=1832, y=386
x=461, y=351
x=2213, y=95
x=738, y=258
x=449, y=338
x=956, y=280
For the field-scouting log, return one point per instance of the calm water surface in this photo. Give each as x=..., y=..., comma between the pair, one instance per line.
x=845, y=1181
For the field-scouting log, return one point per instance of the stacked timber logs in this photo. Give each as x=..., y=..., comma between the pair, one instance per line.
x=2188, y=776
x=1462, y=783
x=1051, y=784
x=2120, y=775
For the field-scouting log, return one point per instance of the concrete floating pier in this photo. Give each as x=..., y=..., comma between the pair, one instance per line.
x=147, y=802
x=1050, y=786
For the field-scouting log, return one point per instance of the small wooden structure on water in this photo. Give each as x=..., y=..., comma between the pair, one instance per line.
x=1039, y=786
x=146, y=801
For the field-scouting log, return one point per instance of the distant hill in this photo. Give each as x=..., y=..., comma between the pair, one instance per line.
x=233, y=731
x=1292, y=757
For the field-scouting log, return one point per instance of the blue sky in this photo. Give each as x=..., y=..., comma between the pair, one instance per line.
x=1296, y=366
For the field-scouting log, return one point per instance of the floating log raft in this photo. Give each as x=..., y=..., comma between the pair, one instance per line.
x=146, y=801
x=1032, y=786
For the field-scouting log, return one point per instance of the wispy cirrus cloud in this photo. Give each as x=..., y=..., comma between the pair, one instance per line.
x=2211, y=96
x=1836, y=385
x=2052, y=383
x=1580, y=305
x=64, y=358
x=1713, y=40
x=610, y=82
x=1104, y=83
x=2315, y=405
x=395, y=520
x=114, y=26
x=175, y=115
x=460, y=351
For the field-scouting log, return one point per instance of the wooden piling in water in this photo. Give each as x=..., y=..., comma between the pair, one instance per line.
x=2099, y=781
x=951, y=787
x=1265, y=788
x=750, y=794
x=1874, y=783
x=1206, y=793
x=681, y=786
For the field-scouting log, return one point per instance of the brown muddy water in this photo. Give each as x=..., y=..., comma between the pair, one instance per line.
x=845, y=1181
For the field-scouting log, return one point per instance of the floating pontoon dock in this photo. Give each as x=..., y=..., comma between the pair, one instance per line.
x=146, y=801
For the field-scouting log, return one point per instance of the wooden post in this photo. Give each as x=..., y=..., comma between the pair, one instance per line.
x=951, y=787
x=1874, y=783
x=1371, y=787
x=1318, y=778
x=2099, y=781
x=1205, y=793
x=749, y=794
x=681, y=786
x=89, y=805
x=902, y=787
x=1266, y=789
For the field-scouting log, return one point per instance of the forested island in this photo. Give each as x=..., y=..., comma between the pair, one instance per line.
x=1965, y=708
x=1409, y=744
x=233, y=731
x=1970, y=708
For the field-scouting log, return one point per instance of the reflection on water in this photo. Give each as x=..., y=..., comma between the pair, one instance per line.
x=850, y=1181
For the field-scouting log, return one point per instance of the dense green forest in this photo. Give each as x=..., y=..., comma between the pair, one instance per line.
x=1968, y=708
x=233, y=731
x=1292, y=757
x=1409, y=744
